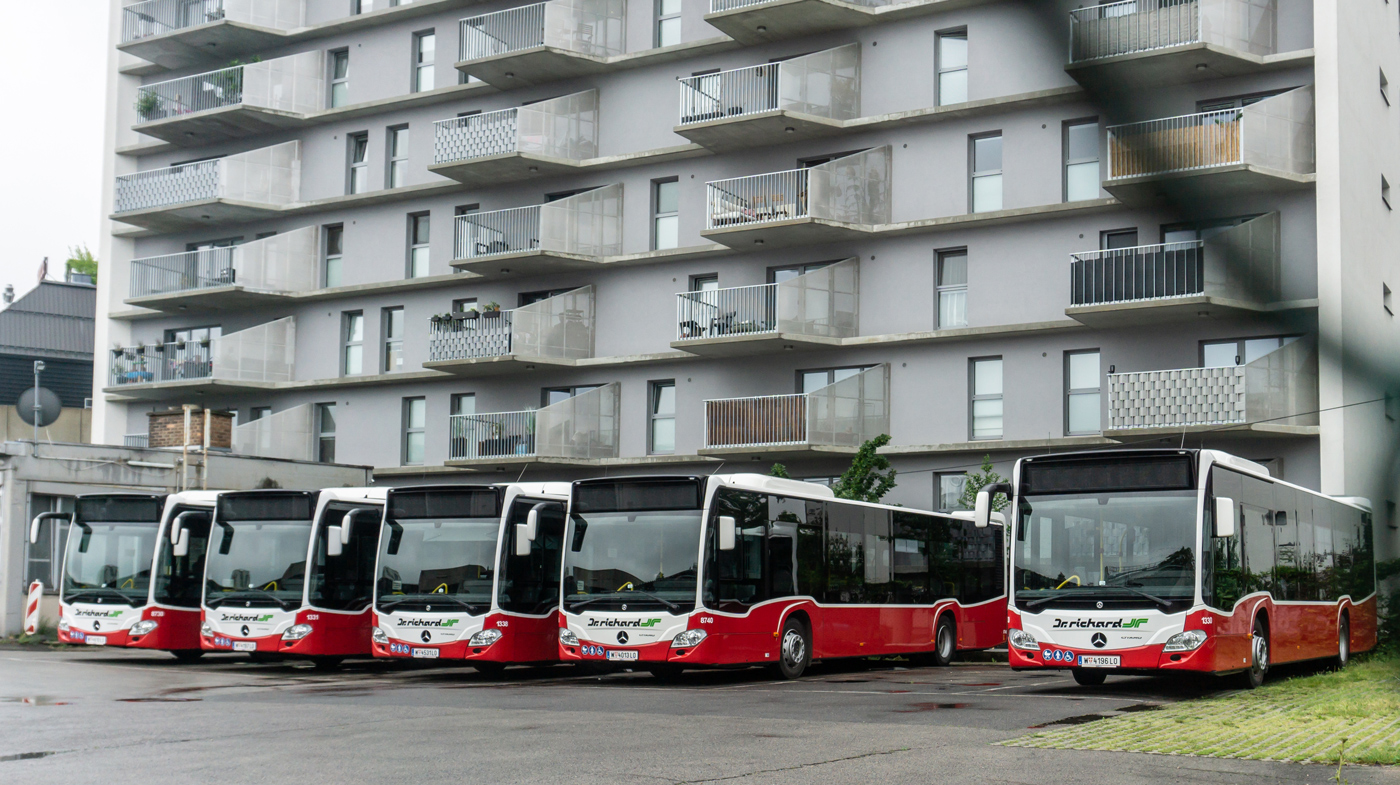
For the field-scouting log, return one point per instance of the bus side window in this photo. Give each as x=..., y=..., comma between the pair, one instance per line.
x=1287, y=567
x=784, y=517
x=845, y=554
x=739, y=572
x=1257, y=528
x=811, y=552
x=911, y=558
x=530, y=584
x=1226, y=577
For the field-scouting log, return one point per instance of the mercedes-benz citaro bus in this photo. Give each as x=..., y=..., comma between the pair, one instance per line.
x=1149, y=561
x=667, y=573
x=109, y=596
x=471, y=572
x=290, y=573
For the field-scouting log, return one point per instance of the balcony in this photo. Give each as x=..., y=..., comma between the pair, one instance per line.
x=555, y=331
x=582, y=430
x=1232, y=272
x=253, y=359
x=544, y=42
x=546, y=138
x=812, y=311
x=288, y=434
x=232, y=103
x=802, y=98
x=837, y=418
x=1275, y=394
x=241, y=276
x=183, y=33
x=760, y=21
x=572, y=233
x=238, y=188
x=839, y=200
x=1266, y=146
x=1149, y=43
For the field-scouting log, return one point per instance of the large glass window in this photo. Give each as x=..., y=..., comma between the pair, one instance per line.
x=340, y=78
x=353, y=343
x=530, y=584
x=949, y=486
x=645, y=560
x=424, y=58
x=952, y=289
x=259, y=562
x=397, y=173
x=952, y=67
x=179, y=580
x=357, y=180
x=662, y=425
x=45, y=557
x=440, y=553
x=415, y=423
x=986, y=173
x=334, y=255
x=1082, y=392
x=1081, y=146
x=393, y=322
x=325, y=432
x=109, y=560
x=1241, y=351
x=665, y=219
x=668, y=22
x=344, y=582
x=986, y=398
x=419, y=225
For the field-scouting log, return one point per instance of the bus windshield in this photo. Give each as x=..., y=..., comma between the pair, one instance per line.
x=262, y=563
x=446, y=563
x=632, y=560
x=109, y=562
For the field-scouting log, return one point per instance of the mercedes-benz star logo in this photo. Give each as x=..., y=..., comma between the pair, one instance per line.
x=244, y=630
x=426, y=636
x=622, y=637
x=1099, y=640
x=1098, y=604
x=97, y=625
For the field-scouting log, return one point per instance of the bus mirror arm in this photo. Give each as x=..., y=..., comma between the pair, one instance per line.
x=532, y=521
x=178, y=525
x=727, y=532
x=982, y=513
x=334, y=545
x=1224, y=516
x=38, y=523
x=348, y=522
x=181, y=548
x=522, y=538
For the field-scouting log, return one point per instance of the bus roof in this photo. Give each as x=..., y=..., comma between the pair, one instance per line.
x=559, y=489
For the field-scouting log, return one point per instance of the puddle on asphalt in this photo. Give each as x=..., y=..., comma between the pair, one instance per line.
x=916, y=708
x=158, y=700
x=27, y=756
x=849, y=681
x=1141, y=707
x=36, y=700
x=982, y=684
x=1081, y=719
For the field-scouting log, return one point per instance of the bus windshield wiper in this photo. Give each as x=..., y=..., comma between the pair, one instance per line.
x=614, y=595
x=98, y=591
x=428, y=599
x=1166, y=604
x=241, y=592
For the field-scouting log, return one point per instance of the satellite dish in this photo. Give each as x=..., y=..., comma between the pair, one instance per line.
x=49, y=407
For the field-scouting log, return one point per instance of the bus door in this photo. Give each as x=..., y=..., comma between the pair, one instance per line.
x=527, y=582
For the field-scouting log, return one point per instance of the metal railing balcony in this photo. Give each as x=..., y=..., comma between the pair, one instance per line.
x=854, y=189
x=585, y=224
x=559, y=327
x=280, y=263
x=825, y=84
x=141, y=440
x=847, y=413
x=286, y=84
x=1132, y=26
x=590, y=27
x=286, y=434
x=584, y=427
x=264, y=353
x=823, y=302
x=151, y=18
x=564, y=127
x=270, y=175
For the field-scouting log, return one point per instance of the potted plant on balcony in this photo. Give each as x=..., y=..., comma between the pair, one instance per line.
x=492, y=310
x=147, y=105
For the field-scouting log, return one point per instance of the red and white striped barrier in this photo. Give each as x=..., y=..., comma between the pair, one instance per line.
x=31, y=608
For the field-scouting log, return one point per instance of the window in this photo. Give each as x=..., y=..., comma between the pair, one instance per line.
x=1081, y=160
x=986, y=173
x=704, y=283
x=396, y=175
x=340, y=78
x=1223, y=354
x=1117, y=239
x=530, y=298
x=392, y=321
x=463, y=403
x=552, y=395
x=44, y=558
x=986, y=398
x=952, y=289
x=418, y=226
x=665, y=232
x=424, y=58
x=464, y=304
x=415, y=422
x=1082, y=392
x=193, y=335
x=258, y=412
x=357, y=181
x=810, y=381
x=791, y=271
x=334, y=252
x=662, y=425
x=353, y=338
x=668, y=22
x=952, y=68
x=949, y=487
x=325, y=432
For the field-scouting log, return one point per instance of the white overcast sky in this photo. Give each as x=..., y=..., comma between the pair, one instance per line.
x=52, y=106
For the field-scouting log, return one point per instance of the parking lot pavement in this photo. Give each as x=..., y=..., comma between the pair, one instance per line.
x=128, y=716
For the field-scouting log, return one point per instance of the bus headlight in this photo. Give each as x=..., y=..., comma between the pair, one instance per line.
x=206, y=629
x=296, y=632
x=144, y=626
x=63, y=625
x=1185, y=641
x=688, y=639
x=567, y=637
x=380, y=636
x=485, y=638
x=1023, y=640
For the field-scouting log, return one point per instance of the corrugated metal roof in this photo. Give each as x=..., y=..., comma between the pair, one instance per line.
x=52, y=320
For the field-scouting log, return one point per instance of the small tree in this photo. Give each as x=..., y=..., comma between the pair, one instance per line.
x=976, y=481
x=81, y=261
x=870, y=476
x=779, y=470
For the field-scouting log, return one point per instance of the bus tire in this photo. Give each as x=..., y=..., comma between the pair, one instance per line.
x=794, y=649
x=1085, y=677
x=1258, y=670
x=945, y=641
x=326, y=663
x=490, y=669
x=188, y=655
x=1343, y=641
x=665, y=672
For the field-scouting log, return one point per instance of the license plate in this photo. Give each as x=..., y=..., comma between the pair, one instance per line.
x=623, y=655
x=245, y=645
x=1092, y=661
x=425, y=654
x=96, y=640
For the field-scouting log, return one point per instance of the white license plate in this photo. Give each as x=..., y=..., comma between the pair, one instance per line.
x=623, y=655
x=425, y=654
x=245, y=645
x=1091, y=661
x=96, y=640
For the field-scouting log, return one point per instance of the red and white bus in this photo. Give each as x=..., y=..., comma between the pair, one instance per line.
x=667, y=573
x=291, y=573
x=471, y=573
x=1148, y=561
x=129, y=579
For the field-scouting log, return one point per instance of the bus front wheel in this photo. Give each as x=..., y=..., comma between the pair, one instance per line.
x=795, y=649
x=1343, y=641
x=489, y=669
x=945, y=642
x=188, y=655
x=1259, y=661
x=1088, y=678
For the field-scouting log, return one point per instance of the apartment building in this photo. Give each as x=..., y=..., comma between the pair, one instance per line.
x=470, y=240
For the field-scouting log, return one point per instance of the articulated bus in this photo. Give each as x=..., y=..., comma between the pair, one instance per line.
x=290, y=573
x=667, y=573
x=471, y=573
x=1143, y=561
x=108, y=596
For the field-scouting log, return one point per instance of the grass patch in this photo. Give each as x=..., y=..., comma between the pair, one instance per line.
x=1348, y=716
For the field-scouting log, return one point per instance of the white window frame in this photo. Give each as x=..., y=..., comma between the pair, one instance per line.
x=654, y=390
x=357, y=156
x=352, y=343
x=983, y=178
x=396, y=149
x=339, y=85
x=1073, y=392
x=940, y=70
x=658, y=216
x=325, y=437
x=974, y=398
x=419, y=253
x=949, y=290
x=424, y=71
x=392, y=325
x=414, y=436
x=333, y=257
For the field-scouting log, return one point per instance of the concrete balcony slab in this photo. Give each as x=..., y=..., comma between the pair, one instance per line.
x=536, y=65
x=500, y=365
x=217, y=298
x=776, y=20
x=192, y=46
x=1214, y=182
x=201, y=214
x=220, y=125
x=743, y=345
x=776, y=452
x=785, y=233
x=1176, y=65
x=757, y=130
x=505, y=168
x=184, y=389
x=1177, y=309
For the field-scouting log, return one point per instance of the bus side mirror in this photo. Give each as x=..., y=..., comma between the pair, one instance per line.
x=532, y=523
x=177, y=527
x=335, y=543
x=982, y=512
x=181, y=547
x=348, y=522
x=38, y=523
x=1224, y=516
x=522, y=538
x=998, y=519
x=728, y=531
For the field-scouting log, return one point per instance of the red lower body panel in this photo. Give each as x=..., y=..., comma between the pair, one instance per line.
x=524, y=639
x=177, y=630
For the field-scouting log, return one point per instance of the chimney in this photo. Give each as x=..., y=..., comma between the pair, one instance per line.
x=9, y=293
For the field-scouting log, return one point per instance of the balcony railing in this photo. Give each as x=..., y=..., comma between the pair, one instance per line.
x=825, y=84
x=1133, y=26
x=151, y=18
x=584, y=427
x=823, y=302
x=288, y=84
x=717, y=6
x=140, y=440
x=853, y=189
x=286, y=434
x=281, y=263
x=270, y=175
x=591, y=27
x=559, y=327
x=564, y=127
x=587, y=224
x=264, y=353
x=844, y=414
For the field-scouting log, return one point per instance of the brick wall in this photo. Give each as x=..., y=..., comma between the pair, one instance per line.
x=167, y=428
